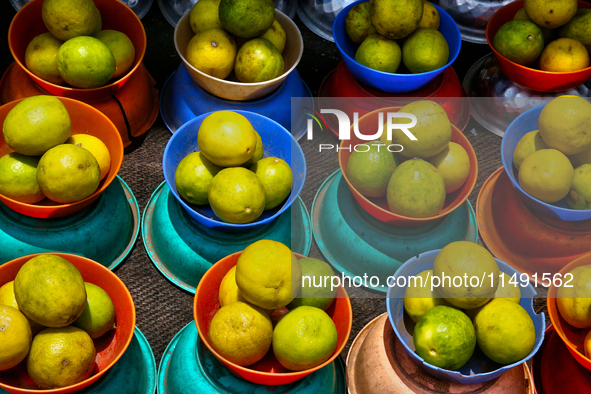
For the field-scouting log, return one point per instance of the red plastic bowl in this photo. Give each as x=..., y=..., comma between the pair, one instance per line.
x=85, y=120
x=109, y=348
x=268, y=371
x=542, y=81
x=28, y=23
x=571, y=336
x=378, y=207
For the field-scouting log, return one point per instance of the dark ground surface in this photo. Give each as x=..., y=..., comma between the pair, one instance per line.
x=162, y=308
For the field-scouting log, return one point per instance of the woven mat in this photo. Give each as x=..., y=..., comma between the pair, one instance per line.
x=162, y=308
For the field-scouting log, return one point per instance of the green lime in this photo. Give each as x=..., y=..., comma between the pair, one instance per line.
x=369, y=171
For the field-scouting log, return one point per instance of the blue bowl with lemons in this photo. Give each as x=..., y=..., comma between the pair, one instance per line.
x=277, y=142
x=393, y=82
x=479, y=368
x=523, y=124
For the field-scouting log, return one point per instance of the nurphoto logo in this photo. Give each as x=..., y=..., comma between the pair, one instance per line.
x=344, y=128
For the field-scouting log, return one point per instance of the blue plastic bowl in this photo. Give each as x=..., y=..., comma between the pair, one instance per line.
x=479, y=368
x=277, y=142
x=391, y=82
x=523, y=124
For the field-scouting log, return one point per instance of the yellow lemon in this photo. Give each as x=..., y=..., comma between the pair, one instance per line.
x=564, y=55
x=85, y=62
x=527, y=145
x=276, y=177
x=425, y=50
x=95, y=146
x=18, y=178
x=236, y=195
x=453, y=164
x=416, y=189
x=358, y=23
x=229, y=291
x=241, y=333
x=259, y=151
x=15, y=337
x=508, y=289
x=276, y=34
x=50, y=290
x=574, y=300
x=550, y=13
x=227, y=138
x=67, y=19
x=268, y=274
x=379, y=53
x=68, y=173
x=466, y=260
x=304, y=338
x=213, y=52
x=581, y=158
x=122, y=49
x=258, y=60
x=546, y=175
x=432, y=131
x=41, y=57
x=36, y=124
x=419, y=298
x=247, y=18
x=193, y=177
x=579, y=196
x=430, y=16
x=98, y=316
x=504, y=331
x=204, y=16
x=370, y=171
x=61, y=357
x=565, y=123
x=7, y=297
x=396, y=19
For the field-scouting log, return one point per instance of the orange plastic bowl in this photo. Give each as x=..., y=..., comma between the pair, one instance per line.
x=378, y=207
x=267, y=371
x=573, y=337
x=85, y=120
x=28, y=23
x=109, y=348
x=542, y=81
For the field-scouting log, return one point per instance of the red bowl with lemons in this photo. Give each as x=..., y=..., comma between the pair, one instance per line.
x=267, y=371
x=573, y=338
x=378, y=207
x=115, y=15
x=85, y=120
x=109, y=348
x=531, y=78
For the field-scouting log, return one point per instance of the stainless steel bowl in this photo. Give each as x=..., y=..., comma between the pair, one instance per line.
x=318, y=15
x=174, y=9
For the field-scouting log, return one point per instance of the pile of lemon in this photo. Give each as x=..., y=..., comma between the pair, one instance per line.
x=554, y=162
x=47, y=161
x=50, y=316
x=229, y=172
x=75, y=50
x=264, y=303
x=416, y=180
x=239, y=35
x=551, y=35
x=452, y=320
x=377, y=24
x=573, y=300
